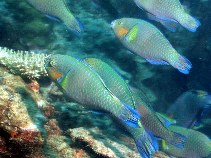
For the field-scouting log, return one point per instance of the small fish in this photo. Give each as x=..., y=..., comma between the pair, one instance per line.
x=80, y=82
x=145, y=142
x=58, y=10
x=169, y=11
x=188, y=110
x=145, y=40
x=197, y=144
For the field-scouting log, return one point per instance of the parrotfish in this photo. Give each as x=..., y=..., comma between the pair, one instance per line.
x=149, y=119
x=197, y=144
x=167, y=12
x=120, y=89
x=189, y=109
x=145, y=40
x=58, y=10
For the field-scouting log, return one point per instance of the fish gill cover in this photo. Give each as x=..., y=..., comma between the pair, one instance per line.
x=123, y=68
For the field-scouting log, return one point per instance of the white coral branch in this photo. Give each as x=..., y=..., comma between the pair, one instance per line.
x=24, y=63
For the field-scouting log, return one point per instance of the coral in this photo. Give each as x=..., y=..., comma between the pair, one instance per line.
x=23, y=63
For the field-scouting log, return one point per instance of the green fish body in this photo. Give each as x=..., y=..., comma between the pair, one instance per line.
x=119, y=88
x=197, y=144
x=57, y=9
x=112, y=80
x=152, y=122
x=145, y=40
x=81, y=83
x=169, y=11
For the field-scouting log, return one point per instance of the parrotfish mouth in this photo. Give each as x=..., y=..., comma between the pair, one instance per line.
x=113, y=23
x=46, y=60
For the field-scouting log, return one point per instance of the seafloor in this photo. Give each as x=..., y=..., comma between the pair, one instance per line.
x=37, y=121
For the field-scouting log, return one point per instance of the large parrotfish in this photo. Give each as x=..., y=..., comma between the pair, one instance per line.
x=80, y=82
x=149, y=119
x=120, y=89
x=145, y=40
x=57, y=9
x=168, y=12
x=197, y=144
x=190, y=108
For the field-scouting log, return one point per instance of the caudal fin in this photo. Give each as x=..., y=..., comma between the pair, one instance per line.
x=182, y=64
x=130, y=116
x=189, y=22
x=147, y=145
x=178, y=140
x=74, y=25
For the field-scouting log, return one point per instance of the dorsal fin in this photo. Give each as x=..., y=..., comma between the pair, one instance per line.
x=86, y=64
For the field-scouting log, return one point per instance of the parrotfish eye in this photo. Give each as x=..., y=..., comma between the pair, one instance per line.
x=194, y=92
x=52, y=63
x=120, y=23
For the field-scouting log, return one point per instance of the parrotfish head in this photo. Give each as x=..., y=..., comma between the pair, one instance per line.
x=57, y=66
x=204, y=98
x=122, y=26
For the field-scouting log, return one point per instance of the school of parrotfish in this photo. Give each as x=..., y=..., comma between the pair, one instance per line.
x=98, y=87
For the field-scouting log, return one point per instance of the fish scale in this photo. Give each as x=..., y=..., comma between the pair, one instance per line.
x=112, y=80
x=157, y=49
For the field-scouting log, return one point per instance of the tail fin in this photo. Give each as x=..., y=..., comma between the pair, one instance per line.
x=182, y=64
x=73, y=24
x=189, y=22
x=178, y=140
x=133, y=119
x=147, y=145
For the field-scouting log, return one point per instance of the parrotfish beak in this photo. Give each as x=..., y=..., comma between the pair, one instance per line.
x=113, y=23
x=46, y=60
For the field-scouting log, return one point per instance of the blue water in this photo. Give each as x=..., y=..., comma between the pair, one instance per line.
x=22, y=27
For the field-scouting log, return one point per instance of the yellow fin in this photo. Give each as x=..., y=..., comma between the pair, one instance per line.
x=164, y=145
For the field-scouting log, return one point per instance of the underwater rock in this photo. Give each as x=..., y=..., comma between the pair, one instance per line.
x=59, y=146
x=56, y=142
x=23, y=63
x=3, y=148
x=98, y=146
x=17, y=126
x=103, y=146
